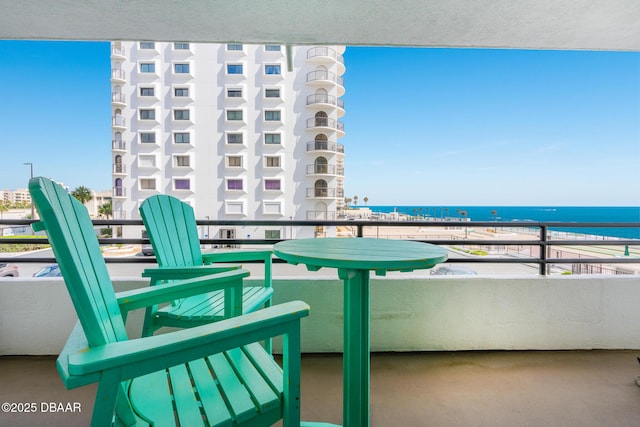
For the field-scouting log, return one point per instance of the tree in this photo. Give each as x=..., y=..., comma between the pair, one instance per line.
x=366, y=200
x=4, y=206
x=106, y=210
x=355, y=200
x=82, y=193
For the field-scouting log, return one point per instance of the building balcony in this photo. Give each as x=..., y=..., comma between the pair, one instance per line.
x=119, y=192
x=117, y=52
x=325, y=124
x=119, y=169
x=118, y=122
x=325, y=147
x=324, y=170
x=118, y=76
x=118, y=145
x=324, y=101
x=326, y=55
x=503, y=348
x=323, y=193
x=322, y=78
x=118, y=99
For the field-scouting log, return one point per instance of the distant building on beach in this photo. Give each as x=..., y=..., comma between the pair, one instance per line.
x=243, y=132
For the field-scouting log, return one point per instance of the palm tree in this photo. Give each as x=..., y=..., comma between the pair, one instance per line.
x=366, y=200
x=82, y=193
x=4, y=206
x=355, y=200
x=106, y=210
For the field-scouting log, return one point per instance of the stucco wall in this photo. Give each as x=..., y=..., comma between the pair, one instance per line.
x=408, y=314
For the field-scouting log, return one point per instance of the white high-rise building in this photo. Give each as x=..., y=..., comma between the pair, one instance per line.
x=242, y=132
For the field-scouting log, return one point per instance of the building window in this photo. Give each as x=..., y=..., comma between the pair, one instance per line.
x=272, y=208
x=234, y=114
x=182, y=161
x=272, y=138
x=181, y=91
x=272, y=161
x=181, y=46
x=272, y=48
x=147, y=184
x=235, y=138
x=148, y=67
x=147, y=91
x=181, y=68
x=148, y=114
x=234, y=46
x=272, y=93
x=272, y=184
x=234, y=184
x=182, y=184
x=234, y=161
x=272, y=69
x=181, y=114
x=147, y=45
x=272, y=115
x=146, y=161
x=235, y=92
x=182, y=137
x=234, y=69
x=271, y=234
x=148, y=137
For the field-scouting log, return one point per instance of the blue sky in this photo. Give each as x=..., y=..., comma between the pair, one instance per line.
x=423, y=126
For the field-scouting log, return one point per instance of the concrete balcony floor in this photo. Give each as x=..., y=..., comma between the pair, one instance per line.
x=483, y=388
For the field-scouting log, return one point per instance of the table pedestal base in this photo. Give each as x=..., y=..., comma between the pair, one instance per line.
x=356, y=359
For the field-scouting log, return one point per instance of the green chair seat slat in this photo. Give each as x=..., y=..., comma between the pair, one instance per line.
x=151, y=399
x=263, y=395
x=184, y=396
x=210, y=306
x=269, y=369
x=240, y=400
x=213, y=403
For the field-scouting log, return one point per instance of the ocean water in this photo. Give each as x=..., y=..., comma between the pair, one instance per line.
x=534, y=213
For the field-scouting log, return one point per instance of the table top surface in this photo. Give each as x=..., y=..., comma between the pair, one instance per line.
x=361, y=253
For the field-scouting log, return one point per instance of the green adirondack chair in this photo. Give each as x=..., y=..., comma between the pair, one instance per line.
x=172, y=230
x=215, y=375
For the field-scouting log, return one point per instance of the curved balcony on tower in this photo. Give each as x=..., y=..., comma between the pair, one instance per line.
x=321, y=123
x=326, y=55
x=322, y=100
x=324, y=78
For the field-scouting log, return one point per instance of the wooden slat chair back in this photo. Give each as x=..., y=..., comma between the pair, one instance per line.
x=173, y=233
x=216, y=374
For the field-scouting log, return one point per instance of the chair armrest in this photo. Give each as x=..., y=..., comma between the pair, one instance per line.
x=152, y=295
x=144, y=355
x=241, y=256
x=178, y=273
x=237, y=256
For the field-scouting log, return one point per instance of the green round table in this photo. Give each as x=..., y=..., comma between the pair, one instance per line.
x=355, y=258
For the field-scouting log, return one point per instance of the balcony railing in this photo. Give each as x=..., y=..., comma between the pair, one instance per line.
x=118, y=98
x=118, y=121
x=325, y=122
x=118, y=75
x=325, y=146
x=539, y=244
x=324, y=76
x=119, y=192
x=118, y=144
x=119, y=168
x=321, y=98
x=324, y=170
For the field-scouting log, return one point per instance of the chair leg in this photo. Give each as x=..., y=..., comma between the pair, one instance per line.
x=108, y=389
x=292, y=367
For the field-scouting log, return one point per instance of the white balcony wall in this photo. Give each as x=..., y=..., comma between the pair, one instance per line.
x=408, y=313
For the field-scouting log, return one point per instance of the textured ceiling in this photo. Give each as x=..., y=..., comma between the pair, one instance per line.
x=531, y=24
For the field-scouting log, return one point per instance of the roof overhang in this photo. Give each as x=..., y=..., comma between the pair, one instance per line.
x=520, y=24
